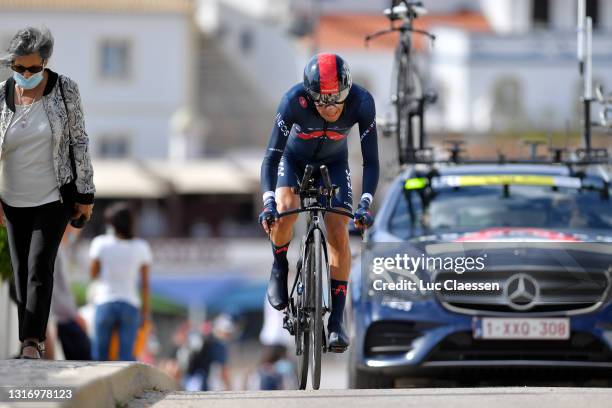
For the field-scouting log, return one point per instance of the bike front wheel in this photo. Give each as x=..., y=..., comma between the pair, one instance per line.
x=316, y=316
x=302, y=335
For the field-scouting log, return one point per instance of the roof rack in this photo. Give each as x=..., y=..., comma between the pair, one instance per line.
x=556, y=156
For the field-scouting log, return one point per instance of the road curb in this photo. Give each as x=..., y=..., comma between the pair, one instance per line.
x=87, y=383
x=120, y=387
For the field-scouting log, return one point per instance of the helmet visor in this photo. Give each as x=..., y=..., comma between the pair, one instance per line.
x=330, y=99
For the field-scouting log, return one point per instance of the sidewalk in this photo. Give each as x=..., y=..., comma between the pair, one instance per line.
x=92, y=384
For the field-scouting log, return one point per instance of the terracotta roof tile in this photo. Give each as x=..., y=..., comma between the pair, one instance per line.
x=348, y=31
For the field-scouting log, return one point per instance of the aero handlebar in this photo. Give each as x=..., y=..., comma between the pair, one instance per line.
x=306, y=188
x=316, y=208
x=325, y=175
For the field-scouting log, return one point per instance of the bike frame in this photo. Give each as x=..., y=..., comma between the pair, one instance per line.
x=314, y=219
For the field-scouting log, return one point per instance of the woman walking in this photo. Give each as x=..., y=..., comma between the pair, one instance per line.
x=118, y=261
x=46, y=177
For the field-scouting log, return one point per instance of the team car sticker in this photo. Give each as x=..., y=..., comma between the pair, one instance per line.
x=416, y=183
x=501, y=179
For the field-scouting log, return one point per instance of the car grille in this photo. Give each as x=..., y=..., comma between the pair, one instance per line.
x=463, y=347
x=385, y=338
x=566, y=291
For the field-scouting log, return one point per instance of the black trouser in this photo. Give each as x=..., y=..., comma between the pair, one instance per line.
x=34, y=235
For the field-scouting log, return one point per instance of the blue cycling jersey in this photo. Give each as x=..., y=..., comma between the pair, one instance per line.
x=301, y=133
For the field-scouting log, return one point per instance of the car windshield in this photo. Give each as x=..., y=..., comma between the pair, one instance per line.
x=477, y=207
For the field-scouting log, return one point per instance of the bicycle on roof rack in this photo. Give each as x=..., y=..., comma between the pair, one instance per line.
x=574, y=159
x=308, y=300
x=410, y=102
x=408, y=95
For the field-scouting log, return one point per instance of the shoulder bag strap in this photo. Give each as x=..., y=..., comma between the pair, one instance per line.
x=71, y=153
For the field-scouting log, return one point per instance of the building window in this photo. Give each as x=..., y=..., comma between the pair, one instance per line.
x=113, y=147
x=115, y=57
x=592, y=10
x=540, y=13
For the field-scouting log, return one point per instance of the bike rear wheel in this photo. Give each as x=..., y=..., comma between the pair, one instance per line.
x=316, y=317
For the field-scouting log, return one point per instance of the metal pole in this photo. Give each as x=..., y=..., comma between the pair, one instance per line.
x=588, y=63
x=422, y=142
x=581, y=18
x=588, y=83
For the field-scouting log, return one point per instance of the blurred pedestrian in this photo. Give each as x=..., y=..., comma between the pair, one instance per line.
x=208, y=350
x=118, y=260
x=71, y=327
x=46, y=176
x=274, y=372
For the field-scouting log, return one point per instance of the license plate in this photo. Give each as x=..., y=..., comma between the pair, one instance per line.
x=521, y=328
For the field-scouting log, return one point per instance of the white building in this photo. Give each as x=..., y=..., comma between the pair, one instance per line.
x=497, y=64
x=513, y=82
x=525, y=75
x=133, y=61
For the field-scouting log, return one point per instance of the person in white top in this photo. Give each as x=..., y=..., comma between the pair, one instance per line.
x=118, y=260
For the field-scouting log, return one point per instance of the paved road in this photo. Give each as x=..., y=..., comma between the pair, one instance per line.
x=523, y=397
x=334, y=372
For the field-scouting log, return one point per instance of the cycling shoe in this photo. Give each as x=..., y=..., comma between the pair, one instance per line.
x=277, y=289
x=338, y=339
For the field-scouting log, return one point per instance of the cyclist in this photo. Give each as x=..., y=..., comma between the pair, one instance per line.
x=311, y=127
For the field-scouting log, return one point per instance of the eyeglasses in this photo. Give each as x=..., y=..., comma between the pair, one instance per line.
x=330, y=99
x=34, y=69
x=324, y=104
x=322, y=100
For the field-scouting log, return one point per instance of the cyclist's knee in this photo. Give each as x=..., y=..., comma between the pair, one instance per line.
x=285, y=222
x=285, y=199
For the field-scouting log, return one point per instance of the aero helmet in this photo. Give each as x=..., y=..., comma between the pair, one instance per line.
x=327, y=79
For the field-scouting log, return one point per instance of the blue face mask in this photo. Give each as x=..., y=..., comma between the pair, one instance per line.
x=28, y=83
